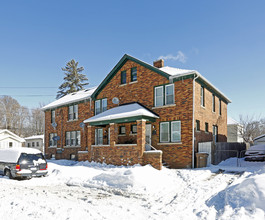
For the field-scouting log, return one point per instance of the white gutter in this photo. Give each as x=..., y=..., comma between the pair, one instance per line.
x=193, y=123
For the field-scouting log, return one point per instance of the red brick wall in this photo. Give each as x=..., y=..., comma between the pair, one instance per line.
x=63, y=125
x=206, y=114
x=118, y=155
x=154, y=158
x=177, y=155
x=142, y=91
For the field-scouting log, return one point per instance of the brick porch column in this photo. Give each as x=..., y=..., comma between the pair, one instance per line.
x=89, y=142
x=141, y=136
x=112, y=135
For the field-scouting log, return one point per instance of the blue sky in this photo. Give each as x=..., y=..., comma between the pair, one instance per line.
x=223, y=40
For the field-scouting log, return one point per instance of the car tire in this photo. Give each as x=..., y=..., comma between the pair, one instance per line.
x=8, y=174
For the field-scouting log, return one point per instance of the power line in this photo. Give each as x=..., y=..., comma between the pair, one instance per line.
x=26, y=87
x=27, y=95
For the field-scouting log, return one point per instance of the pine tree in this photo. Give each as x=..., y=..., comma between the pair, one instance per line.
x=73, y=80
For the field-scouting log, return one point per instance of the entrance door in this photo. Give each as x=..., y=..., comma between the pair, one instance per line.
x=148, y=134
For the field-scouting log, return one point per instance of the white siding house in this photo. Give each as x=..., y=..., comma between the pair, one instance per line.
x=8, y=139
x=234, y=131
x=36, y=142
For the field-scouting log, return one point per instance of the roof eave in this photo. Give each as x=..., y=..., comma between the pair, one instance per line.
x=196, y=73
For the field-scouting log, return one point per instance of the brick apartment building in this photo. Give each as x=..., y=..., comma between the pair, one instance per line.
x=139, y=114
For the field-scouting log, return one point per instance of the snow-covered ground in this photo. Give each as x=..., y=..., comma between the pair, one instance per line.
x=76, y=190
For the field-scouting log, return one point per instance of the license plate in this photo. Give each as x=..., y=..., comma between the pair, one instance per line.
x=33, y=168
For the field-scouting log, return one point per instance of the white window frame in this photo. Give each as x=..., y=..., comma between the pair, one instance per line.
x=160, y=129
x=75, y=112
x=202, y=96
x=97, y=137
x=175, y=132
x=159, y=87
x=99, y=103
x=104, y=108
x=53, y=116
x=220, y=107
x=213, y=100
x=169, y=85
x=52, y=143
x=70, y=112
x=73, y=138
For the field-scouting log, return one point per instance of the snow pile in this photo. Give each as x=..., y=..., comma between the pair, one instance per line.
x=136, y=179
x=76, y=190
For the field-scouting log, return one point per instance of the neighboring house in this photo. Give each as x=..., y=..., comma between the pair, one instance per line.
x=36, y=141
x=259, y=140
x=8, y=139
x=234, y=131
x=139, y=114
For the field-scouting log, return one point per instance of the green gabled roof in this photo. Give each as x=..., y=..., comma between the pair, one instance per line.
x=119, y=65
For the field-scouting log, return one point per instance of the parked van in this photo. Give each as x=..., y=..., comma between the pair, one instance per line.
x=22, y=163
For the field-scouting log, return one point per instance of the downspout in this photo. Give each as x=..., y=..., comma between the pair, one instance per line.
x=193, y=105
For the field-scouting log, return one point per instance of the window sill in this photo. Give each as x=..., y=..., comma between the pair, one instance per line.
x=121, y=134
x=133, y=82
x=101, y=145
x=164, y=106
x=77, y=146
x=121, y=85
x=133, y=134
x=52, y=147
x=73, y=120
x=168, y=143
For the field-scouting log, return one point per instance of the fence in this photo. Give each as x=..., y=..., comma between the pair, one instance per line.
x=221, y=151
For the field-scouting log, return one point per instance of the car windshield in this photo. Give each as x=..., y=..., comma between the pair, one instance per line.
x=29, y=158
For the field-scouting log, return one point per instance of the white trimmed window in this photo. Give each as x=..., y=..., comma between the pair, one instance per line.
x=97, y=107
x=101, y=106
x=164, y=95
x=104, y=105
x=72, y=112
x=52, y=116
x=51, y=141
x=99, y=136
x=169, y=94
x=164, y=132
x=175, y=131
x=159, y=96
x=72, y=138
x=220, y=107
x=170, y=131
x=202, y=97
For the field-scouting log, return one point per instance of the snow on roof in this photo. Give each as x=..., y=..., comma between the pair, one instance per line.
x=11, y=134
x=231, y=121
x=35, y=137
x=71, y=98
x=175, y=71
x=123, y=111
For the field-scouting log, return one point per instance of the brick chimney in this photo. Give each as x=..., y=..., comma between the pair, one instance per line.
x=159, y=63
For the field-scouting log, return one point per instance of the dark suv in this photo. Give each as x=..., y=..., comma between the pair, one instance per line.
x=22, y=163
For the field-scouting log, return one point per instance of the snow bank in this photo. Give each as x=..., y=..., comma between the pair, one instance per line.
x=137, y=179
